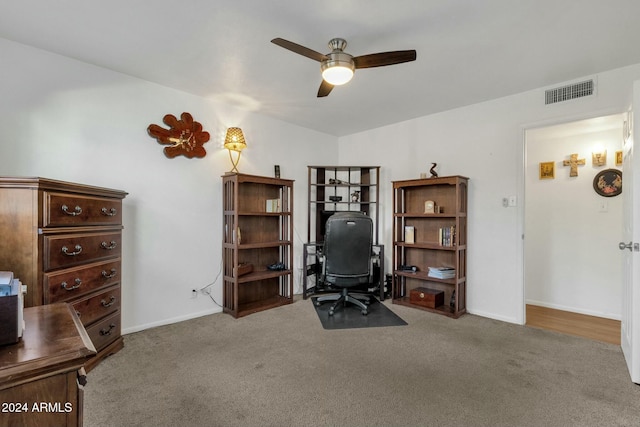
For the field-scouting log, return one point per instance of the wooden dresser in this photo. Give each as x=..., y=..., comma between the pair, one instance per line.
x=63, y=240
x=41, y=376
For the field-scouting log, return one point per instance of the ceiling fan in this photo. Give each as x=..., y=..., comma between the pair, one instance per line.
x=338, y=66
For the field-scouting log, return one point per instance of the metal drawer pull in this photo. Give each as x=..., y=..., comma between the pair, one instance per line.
x=82, y=377
x=66, y=286
x=110, y=246
x=76, y=211
x=78, y=249
x=110, y=212
x=109, y=275
x=107, y=331
x=110, y=303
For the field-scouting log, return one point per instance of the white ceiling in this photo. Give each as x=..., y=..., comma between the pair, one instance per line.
x=468, y=51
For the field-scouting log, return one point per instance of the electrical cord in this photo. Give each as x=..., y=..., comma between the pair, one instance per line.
x=205, y=290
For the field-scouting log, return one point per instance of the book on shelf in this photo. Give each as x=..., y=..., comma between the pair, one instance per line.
x=409, y=234
x=442, y=272
x=273, y=205
x=447, y=236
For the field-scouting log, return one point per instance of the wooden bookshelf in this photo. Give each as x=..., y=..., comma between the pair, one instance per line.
x=430, y=249
x=254, y=236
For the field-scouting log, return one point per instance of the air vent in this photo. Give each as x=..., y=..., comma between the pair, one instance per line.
x=572, y=91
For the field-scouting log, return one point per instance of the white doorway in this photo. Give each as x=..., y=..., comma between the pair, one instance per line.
x=571, y=256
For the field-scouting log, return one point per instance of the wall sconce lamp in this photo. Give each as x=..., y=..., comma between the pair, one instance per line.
x=599, y=158
x=234, y=142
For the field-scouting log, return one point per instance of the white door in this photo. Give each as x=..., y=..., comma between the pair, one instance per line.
x=630, y=247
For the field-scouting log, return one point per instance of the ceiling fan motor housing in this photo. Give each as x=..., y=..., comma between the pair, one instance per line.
x=339, y=59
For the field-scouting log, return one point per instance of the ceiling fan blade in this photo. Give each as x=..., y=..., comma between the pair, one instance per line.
x=325, y=89
x=384, y=58
x=300, y=50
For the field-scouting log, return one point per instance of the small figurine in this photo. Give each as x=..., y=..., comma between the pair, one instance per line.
x=434, y=174
x=355, y=196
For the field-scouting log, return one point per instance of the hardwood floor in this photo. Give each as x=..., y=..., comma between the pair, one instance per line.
x=595, y=328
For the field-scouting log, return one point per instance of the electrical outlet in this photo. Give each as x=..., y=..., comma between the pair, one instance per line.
x=194, y=293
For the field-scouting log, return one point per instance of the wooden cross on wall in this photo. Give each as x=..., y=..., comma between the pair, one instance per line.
x=574, y=162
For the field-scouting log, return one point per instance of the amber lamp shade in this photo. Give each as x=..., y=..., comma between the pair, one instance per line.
x=234, y=142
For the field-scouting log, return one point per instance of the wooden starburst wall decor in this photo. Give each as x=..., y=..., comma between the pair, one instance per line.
x=184, y=137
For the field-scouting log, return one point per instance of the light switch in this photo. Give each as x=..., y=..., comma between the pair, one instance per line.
x=513, y=201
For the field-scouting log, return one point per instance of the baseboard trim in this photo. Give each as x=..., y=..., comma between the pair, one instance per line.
x=177, y=319
x=494, y=317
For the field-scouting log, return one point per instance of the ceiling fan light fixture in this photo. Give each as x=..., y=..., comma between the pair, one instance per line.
x=338, y=69
x=337, y=75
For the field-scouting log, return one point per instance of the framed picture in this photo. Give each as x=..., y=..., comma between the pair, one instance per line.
x=599, y=158
x=547, y=170
x=619, y=158
x=608, y=183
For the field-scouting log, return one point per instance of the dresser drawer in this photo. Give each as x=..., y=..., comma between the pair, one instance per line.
x=76, y=282
x=66, y=250
x=105, y=331
x=98, y=306
x=63, y=210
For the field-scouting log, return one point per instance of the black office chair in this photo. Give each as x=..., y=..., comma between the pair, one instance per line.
x=346, y=256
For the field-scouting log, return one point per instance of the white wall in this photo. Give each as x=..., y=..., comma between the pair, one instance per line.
x=67, y=120
x=485, y=143
x=572, y=260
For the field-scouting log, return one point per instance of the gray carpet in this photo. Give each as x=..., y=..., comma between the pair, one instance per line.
x=281, y=368
x=351, y=317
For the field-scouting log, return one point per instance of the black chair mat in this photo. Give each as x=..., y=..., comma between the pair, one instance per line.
x=350, y=317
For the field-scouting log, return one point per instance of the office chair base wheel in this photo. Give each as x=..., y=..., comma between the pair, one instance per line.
x=364, y=312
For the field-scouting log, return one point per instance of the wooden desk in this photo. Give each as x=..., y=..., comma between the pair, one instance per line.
x=40, y=376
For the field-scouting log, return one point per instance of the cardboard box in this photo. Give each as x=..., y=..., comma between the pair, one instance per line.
x=426, y=297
